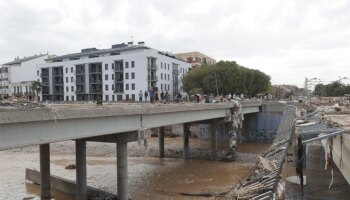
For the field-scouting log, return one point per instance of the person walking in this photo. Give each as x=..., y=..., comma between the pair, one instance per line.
x=146, y=95
x=162, y=96
x=140, y=96
x=151, y=96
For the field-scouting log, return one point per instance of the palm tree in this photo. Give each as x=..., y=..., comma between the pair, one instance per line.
x=36, y=87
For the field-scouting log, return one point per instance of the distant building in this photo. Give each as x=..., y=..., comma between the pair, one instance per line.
x=17, y=76
x=114, y=74
x=195, y=58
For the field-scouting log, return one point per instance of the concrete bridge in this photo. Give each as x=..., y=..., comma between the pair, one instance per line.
x=119, y=123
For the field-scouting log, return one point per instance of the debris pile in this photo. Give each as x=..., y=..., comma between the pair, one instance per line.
x=262, y=183
x=19, y=103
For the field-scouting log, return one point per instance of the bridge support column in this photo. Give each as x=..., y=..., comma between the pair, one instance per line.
x=186, y=132
x=80, y=151
x=214, y=142
x=161, y=142
x=122, y=170
x=45, y=171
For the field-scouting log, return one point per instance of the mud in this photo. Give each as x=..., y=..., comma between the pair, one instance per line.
x=149, y=177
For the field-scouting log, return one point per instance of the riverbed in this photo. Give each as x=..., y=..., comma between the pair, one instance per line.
x=149, y=176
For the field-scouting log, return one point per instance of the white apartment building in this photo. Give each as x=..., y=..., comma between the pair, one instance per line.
x=114, y=74
x=17, y=76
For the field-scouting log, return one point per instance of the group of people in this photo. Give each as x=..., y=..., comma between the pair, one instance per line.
x=154, y=96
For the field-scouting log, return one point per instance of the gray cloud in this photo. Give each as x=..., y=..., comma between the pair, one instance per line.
x=287, y=39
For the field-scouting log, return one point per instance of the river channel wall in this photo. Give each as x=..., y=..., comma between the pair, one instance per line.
x=262, y=126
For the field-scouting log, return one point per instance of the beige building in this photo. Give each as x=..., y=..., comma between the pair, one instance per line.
x=195, y=58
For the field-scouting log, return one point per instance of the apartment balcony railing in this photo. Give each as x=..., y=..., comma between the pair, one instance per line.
x=98, y=91
x=176, y=71
x=57, y=73
x=80, y=81
x=119, y=90
x=152, y=67
x=44, y=74
x=79, y=72
x=152, y=78
x=82, y=91
x=119, y=80
x=96, y=82
x=176, y=82
x=119, y=69
x=45, y=83
x=58, y=92
x=58, y=83
x=96, y=71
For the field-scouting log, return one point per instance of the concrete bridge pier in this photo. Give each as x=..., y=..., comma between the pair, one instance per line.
x=81, y=187
x=213, y=138
x=122, y=169
x=161, y=142
x=45, y=185
x=186, y=131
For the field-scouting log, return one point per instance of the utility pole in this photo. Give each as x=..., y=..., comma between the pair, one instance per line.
x=216, y=81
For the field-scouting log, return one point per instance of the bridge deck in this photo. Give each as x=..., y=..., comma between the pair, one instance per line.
x=24, y=127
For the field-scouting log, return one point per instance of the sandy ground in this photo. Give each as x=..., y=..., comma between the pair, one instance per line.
x=149, y=176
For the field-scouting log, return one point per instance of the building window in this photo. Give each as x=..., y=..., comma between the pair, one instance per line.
x=107, y=98
x=71, y=79
x=67, y=72
x=133, y=97
x=106, y=77
x=66, y=78
x=67, y=89
x=106, y=66
x=161, y=76
x=126, y=64
x=127, y=97
x=67, y=98
x=112, y=76
x=72, y=98
x=161, y=86
x=113, y=87
x=161, y=65
x=37, y=73
x=112, y=65
x=132, y=75
x=113, y=98
x=106, y=87
x=72, y=88
x=168, y=67
x=126, y=75
x=71, y=70
x=169, y=87
x=133, y=86
x=127, y=86
x=132, y=64
x=119, y=97
x=168, y=77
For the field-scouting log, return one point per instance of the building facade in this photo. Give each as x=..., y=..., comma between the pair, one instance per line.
x=114, y=74
x=17, y=76
x=195, y=58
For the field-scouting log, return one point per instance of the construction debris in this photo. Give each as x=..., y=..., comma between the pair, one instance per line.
x=263, y=181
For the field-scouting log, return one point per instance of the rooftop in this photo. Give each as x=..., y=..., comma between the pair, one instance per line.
x=24, y=59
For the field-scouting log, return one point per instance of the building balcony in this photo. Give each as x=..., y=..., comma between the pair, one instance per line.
x=119, y=69
x=175, y=71
x=44, y=74
x=152, y=67
x=96, y=82
x=152, y=78
x=120, y=90
x=79, y=72
x=175, y=82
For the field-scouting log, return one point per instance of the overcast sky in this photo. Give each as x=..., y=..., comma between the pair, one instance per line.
x=289, y=40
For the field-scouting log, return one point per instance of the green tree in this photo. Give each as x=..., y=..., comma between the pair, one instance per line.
x=230, y=77
x=36, y=87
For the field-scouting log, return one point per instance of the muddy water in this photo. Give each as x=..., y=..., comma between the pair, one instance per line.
x=149, y=177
